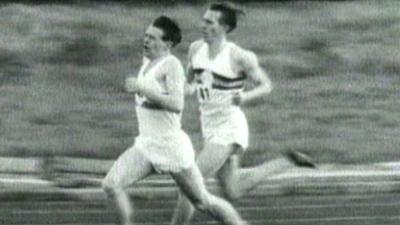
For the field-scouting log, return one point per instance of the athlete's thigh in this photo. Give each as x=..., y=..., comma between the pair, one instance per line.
x=213, y=157
x=190, y=181
x=130, y=167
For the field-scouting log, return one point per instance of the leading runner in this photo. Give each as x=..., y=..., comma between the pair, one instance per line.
x=162, y=146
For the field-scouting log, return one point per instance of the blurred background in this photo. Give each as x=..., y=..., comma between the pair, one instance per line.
x=335, y=66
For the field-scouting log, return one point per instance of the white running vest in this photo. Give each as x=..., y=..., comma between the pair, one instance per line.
x=215, y=79
x=153, y=119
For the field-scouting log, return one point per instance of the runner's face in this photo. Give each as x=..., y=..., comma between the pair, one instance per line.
x=210, y=27
x=153, y=45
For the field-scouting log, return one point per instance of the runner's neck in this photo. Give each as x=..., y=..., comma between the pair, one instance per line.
x=153, y=62
x=216, y=46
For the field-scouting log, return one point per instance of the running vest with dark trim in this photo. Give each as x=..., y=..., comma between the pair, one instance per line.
x=153, y=119
x=215, y=79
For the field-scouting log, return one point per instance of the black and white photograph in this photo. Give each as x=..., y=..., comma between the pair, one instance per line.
x=201, y=112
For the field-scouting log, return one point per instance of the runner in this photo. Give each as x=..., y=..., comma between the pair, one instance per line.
x=218, y=69
x=162, y=146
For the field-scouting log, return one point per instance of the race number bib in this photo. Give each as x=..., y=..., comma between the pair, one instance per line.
x=204, y=85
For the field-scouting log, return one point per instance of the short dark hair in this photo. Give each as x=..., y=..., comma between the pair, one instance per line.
x=229, y=13
x=170, y=28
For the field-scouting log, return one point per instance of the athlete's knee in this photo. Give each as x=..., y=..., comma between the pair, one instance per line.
x=182, y=197
x=110, y=186
x=107, y=186
x=231, y=192
x=229, y=187
x=202, y=203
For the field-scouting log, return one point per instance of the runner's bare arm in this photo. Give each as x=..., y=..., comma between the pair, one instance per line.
x=189, y=85
x=249, y=65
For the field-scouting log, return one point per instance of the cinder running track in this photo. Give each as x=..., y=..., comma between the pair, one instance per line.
x=331, y=195
x=360, y=209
